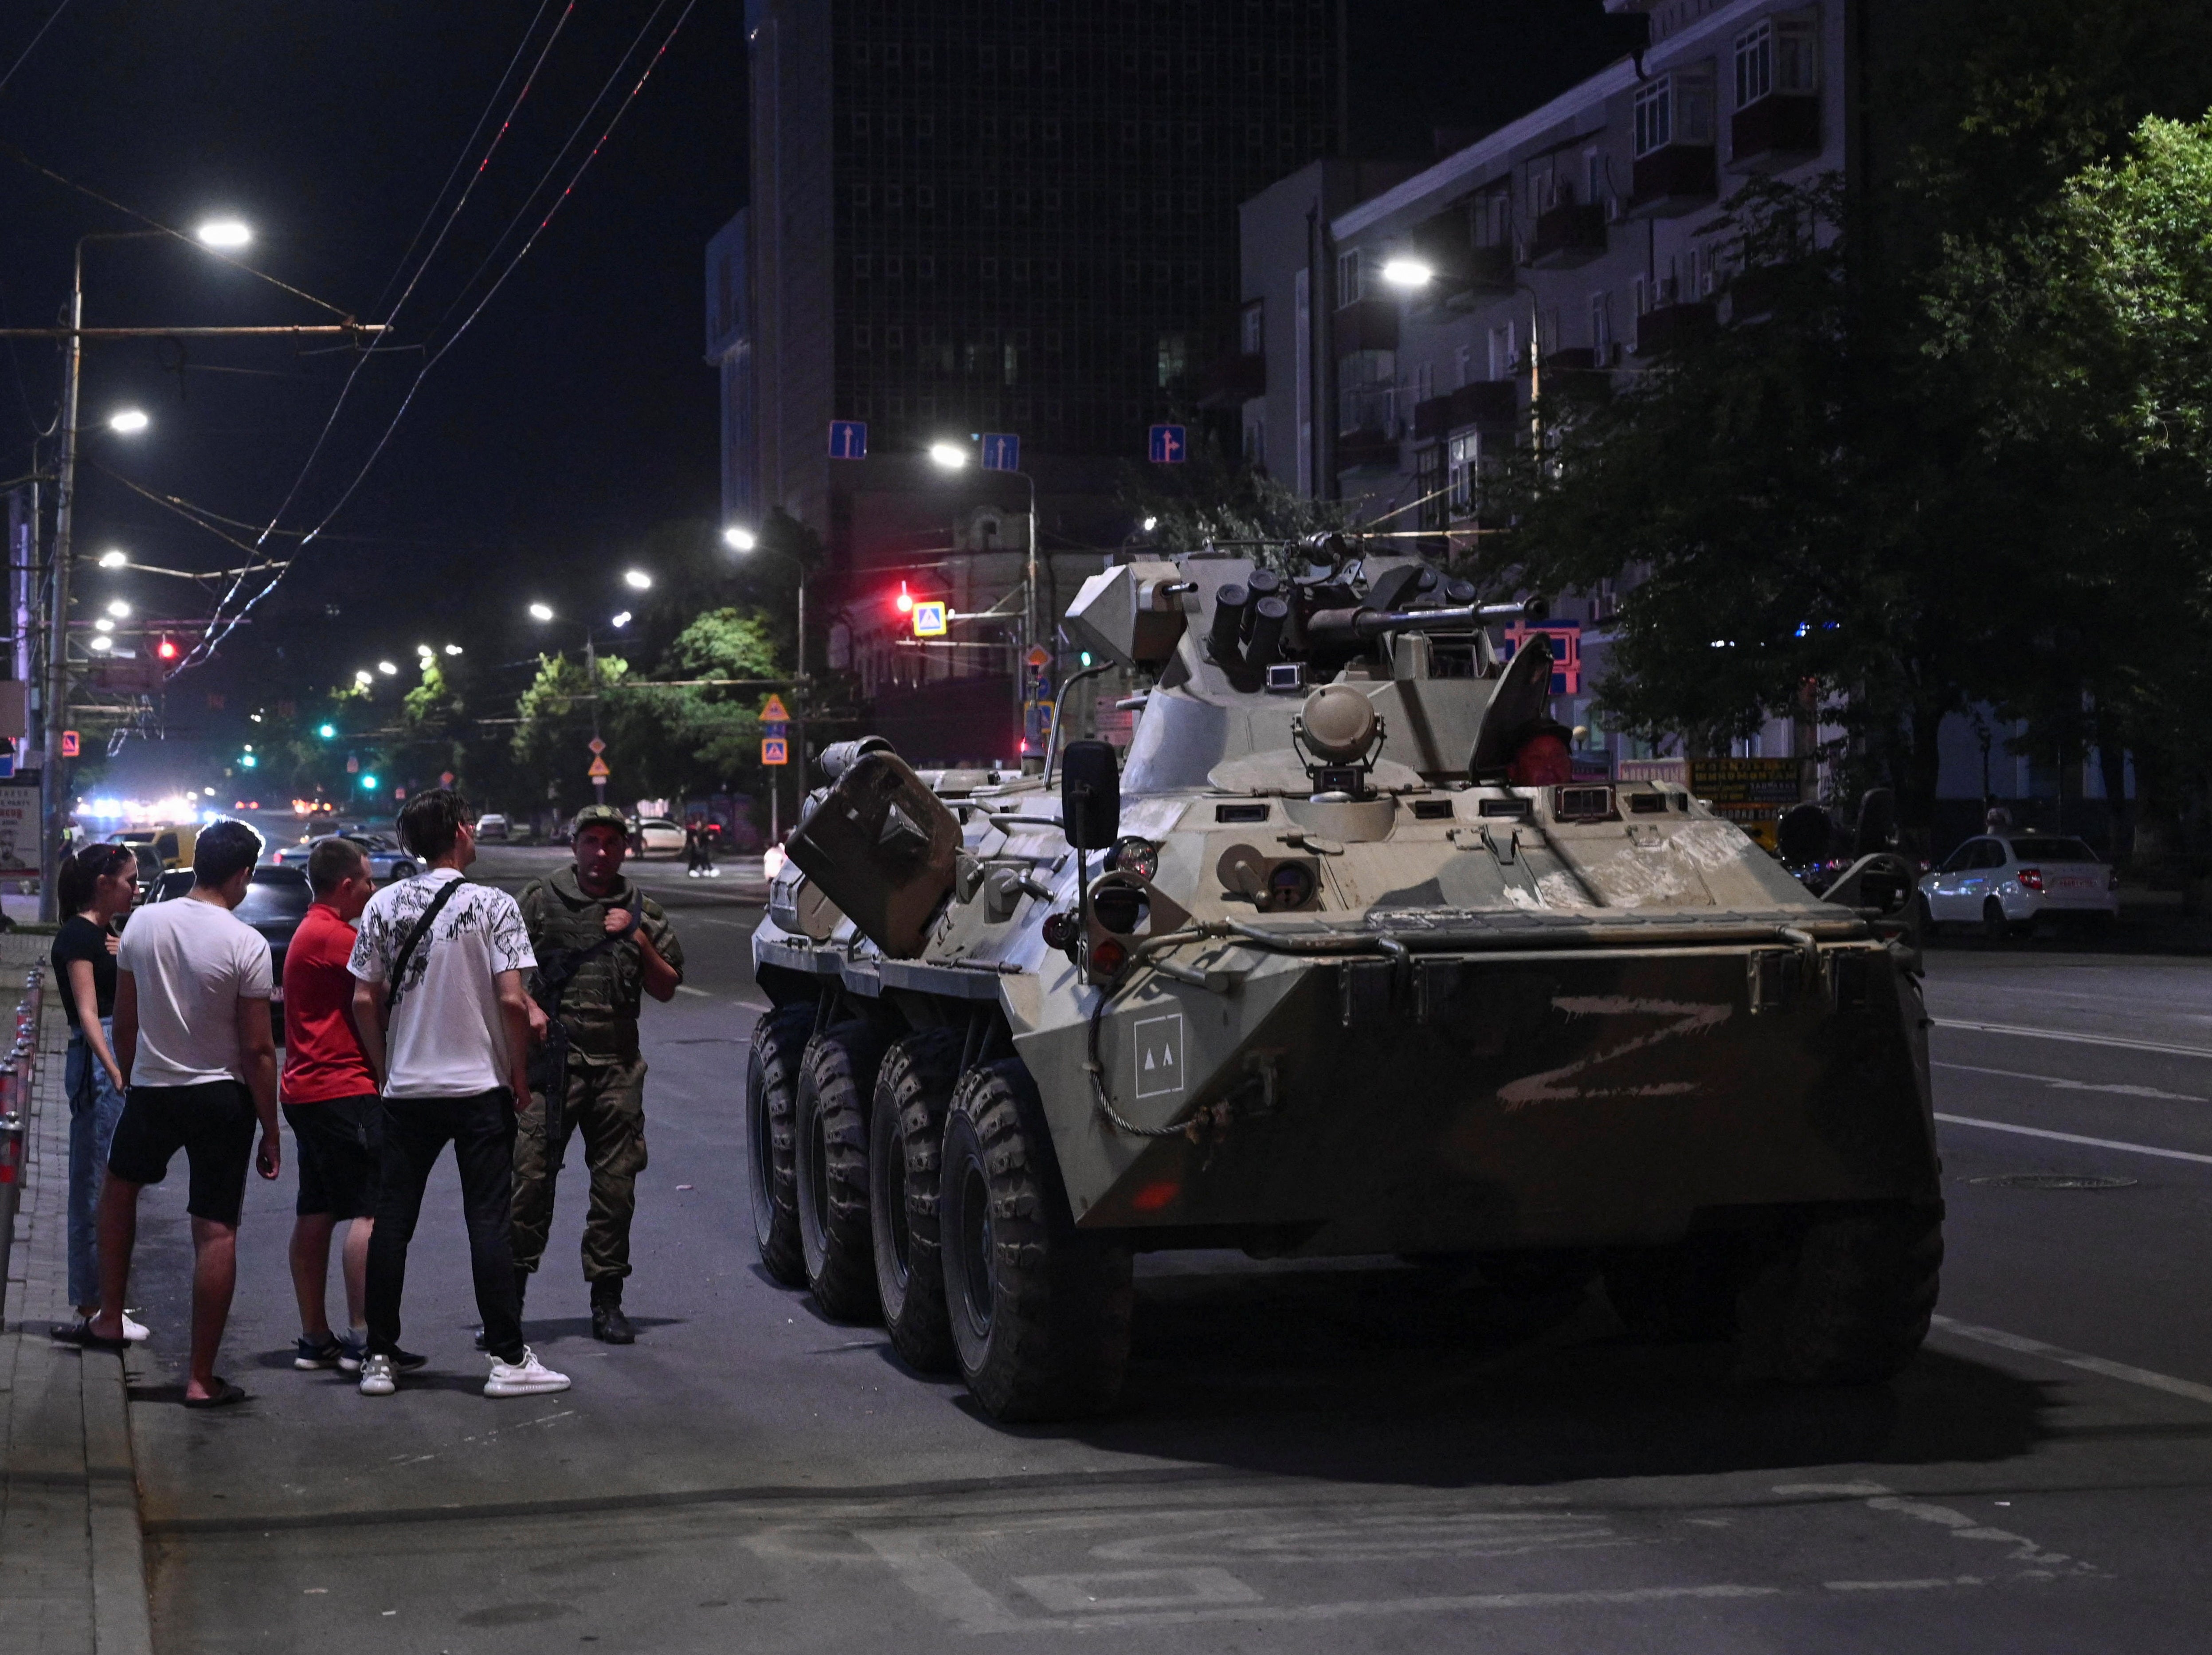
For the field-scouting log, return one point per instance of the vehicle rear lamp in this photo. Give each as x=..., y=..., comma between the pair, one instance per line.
x=1107, y=957
x=1058, y=930
x=2031, y=879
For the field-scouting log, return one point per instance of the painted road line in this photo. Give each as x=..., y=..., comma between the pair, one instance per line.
x=2097, y=1365
x=686, y=989
x=2074, y=1138
x=2057, y=1084
x=2072, y=1035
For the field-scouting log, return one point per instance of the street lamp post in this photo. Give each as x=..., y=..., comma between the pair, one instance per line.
x=952, y=456
x=743, y=542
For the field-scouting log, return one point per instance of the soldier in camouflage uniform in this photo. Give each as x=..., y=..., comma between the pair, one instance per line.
x=578, y=910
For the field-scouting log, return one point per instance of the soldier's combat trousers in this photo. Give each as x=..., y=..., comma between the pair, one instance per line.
x=605, y=1107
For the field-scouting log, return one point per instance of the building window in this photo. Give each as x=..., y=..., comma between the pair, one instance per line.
x=1466, y=365
x=1601, y=313
x=1461, y=456
x=1504, y=355
x=925, y=198
x=860, y=124
x=925, y=268
x=860, y=336
x=1429, y=490
x=1593, y=176
x=1781, y=54
x=1171, y=354
x=1642, y=295
x=1673, y=109
x=1253, y=331
x=861, y=266
x=1493, y=218
x=859, y=197
x=1425, y=382
x=1255, y=443
x=1348, y=291
x=894, y=196
x=894, y=338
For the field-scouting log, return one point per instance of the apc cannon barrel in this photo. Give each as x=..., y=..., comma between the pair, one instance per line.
x=1360, y=625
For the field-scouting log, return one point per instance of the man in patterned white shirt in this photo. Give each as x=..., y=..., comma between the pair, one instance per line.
x=445, y=1023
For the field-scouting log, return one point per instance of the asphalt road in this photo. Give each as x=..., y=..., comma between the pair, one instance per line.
x=1308, y=1458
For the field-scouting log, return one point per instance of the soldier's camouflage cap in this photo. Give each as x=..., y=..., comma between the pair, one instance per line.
x=596, y=815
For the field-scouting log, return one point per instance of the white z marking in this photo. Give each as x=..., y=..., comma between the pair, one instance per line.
x=1550, y=1087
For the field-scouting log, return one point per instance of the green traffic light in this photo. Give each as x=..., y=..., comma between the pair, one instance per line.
x=369, y=784
x=327, y=731
x=247, y=761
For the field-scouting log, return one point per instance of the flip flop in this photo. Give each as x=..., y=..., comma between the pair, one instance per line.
x=225, y=1394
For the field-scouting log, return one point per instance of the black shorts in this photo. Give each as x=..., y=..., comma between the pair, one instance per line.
x=213, y=1124
x=337, y=1140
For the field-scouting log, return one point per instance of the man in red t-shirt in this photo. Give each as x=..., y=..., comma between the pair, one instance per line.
x=330, y=1099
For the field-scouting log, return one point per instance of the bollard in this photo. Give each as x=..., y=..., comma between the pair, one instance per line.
x=12, y=1193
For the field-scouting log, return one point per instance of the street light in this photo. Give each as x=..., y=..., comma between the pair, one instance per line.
x=114, y=559
x=128, y=422
x=364, y=678
x=744, y=540
x=541, y=612
x=453, y=649
x=103, y=624
x=103, y=642
x=1408, y=273
x=388, y=668
x=740, y=539
x=948, y=456
x=637, y=580
x=223, y=233
x=620, y=620
x=120, y=610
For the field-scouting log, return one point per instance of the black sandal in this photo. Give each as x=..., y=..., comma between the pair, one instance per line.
x=80, y=1334
x=225, y=1394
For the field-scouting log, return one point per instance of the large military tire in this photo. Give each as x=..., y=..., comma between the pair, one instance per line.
x=1848, y=1302
x=1684, y=1292
x=1039, y=1312
x=906, y=1136
x=829, y=1167
x=771, y=1091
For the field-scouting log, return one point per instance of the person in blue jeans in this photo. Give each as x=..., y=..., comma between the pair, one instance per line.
x=97, y=886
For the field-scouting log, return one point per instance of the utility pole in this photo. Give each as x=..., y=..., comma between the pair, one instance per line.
x=591, y=673
x=53, y=790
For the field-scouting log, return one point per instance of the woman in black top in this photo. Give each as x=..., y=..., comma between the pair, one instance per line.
x=96, y=886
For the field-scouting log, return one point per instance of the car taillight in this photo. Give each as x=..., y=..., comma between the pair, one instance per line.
x=1542, y=761
x=2031, y=879
x=2111, y=879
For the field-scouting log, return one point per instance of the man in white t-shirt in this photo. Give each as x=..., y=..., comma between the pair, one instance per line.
x=445, y=1024
x=192, y=1033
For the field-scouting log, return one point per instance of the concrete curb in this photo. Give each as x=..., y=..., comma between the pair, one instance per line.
x=122, y=1619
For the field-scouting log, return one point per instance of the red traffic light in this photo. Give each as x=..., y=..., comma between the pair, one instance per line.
x=166, y=650
x=904, y=602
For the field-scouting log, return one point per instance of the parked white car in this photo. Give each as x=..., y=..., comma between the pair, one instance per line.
x=656, y=835
x=2005, y=883
x=491, y=825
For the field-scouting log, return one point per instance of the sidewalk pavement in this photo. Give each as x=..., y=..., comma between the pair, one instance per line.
x=72, y=1565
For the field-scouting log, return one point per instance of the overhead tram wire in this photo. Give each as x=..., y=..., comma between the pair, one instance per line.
x=23, y=57
x=461, y=201
x=220, y=628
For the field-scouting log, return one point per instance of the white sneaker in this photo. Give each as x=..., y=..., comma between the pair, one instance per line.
x=135, y=1331
x=527, y=1377
x=377, y=1376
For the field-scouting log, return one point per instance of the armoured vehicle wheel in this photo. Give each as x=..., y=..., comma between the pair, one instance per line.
x=1682, y=1294
x=1849, y=1302
x=906, y=1136
x=1040, y=1313
x=829, y=1167
x=771, y=1088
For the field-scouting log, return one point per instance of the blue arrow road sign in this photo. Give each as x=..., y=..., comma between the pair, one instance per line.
x=848, y=439
x=1001, y=452
x=1167, y=445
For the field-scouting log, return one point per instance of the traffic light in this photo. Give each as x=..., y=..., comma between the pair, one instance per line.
x=904, y=602
x=166, y=650
x=247, y=761
x=328, y=732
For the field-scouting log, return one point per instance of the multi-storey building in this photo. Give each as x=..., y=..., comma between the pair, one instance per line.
x=971, y=217
x=1405, y=331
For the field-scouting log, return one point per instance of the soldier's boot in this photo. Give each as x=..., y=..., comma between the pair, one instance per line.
x=609, y=1324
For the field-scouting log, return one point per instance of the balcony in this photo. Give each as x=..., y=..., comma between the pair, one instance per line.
x=1231, y=382
x=1678, y=178
x=1489, y=405
x=1577, y=373
x=1365, y=325
x=1662, y=329
x=1567, y=236
x=1777, y=131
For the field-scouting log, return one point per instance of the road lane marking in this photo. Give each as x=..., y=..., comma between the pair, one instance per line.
x=686, y=989
x=2072, y=1035
x=2097, y=1365
x=1904, y=1585
x=2073, y=1085
x=2074, y=1138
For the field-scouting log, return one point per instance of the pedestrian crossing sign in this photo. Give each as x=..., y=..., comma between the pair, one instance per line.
x=929, y=619
x=775, y=712
x=776, y=750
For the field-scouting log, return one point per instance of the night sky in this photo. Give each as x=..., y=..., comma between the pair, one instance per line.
x=575, y=414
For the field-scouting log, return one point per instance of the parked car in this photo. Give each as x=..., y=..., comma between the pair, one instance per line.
x=277, y=899
x=171, y=845
x=491, y=825
x=2005, y=883
x=656, y=834
x=386, y=860
x=150, y=870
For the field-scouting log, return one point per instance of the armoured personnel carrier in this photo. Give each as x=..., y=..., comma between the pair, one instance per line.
x=1343, y=960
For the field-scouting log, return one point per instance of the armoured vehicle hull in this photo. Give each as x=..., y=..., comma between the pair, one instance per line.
x=1314, y=1000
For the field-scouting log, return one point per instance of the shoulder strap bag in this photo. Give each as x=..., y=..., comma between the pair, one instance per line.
x=392, y=990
